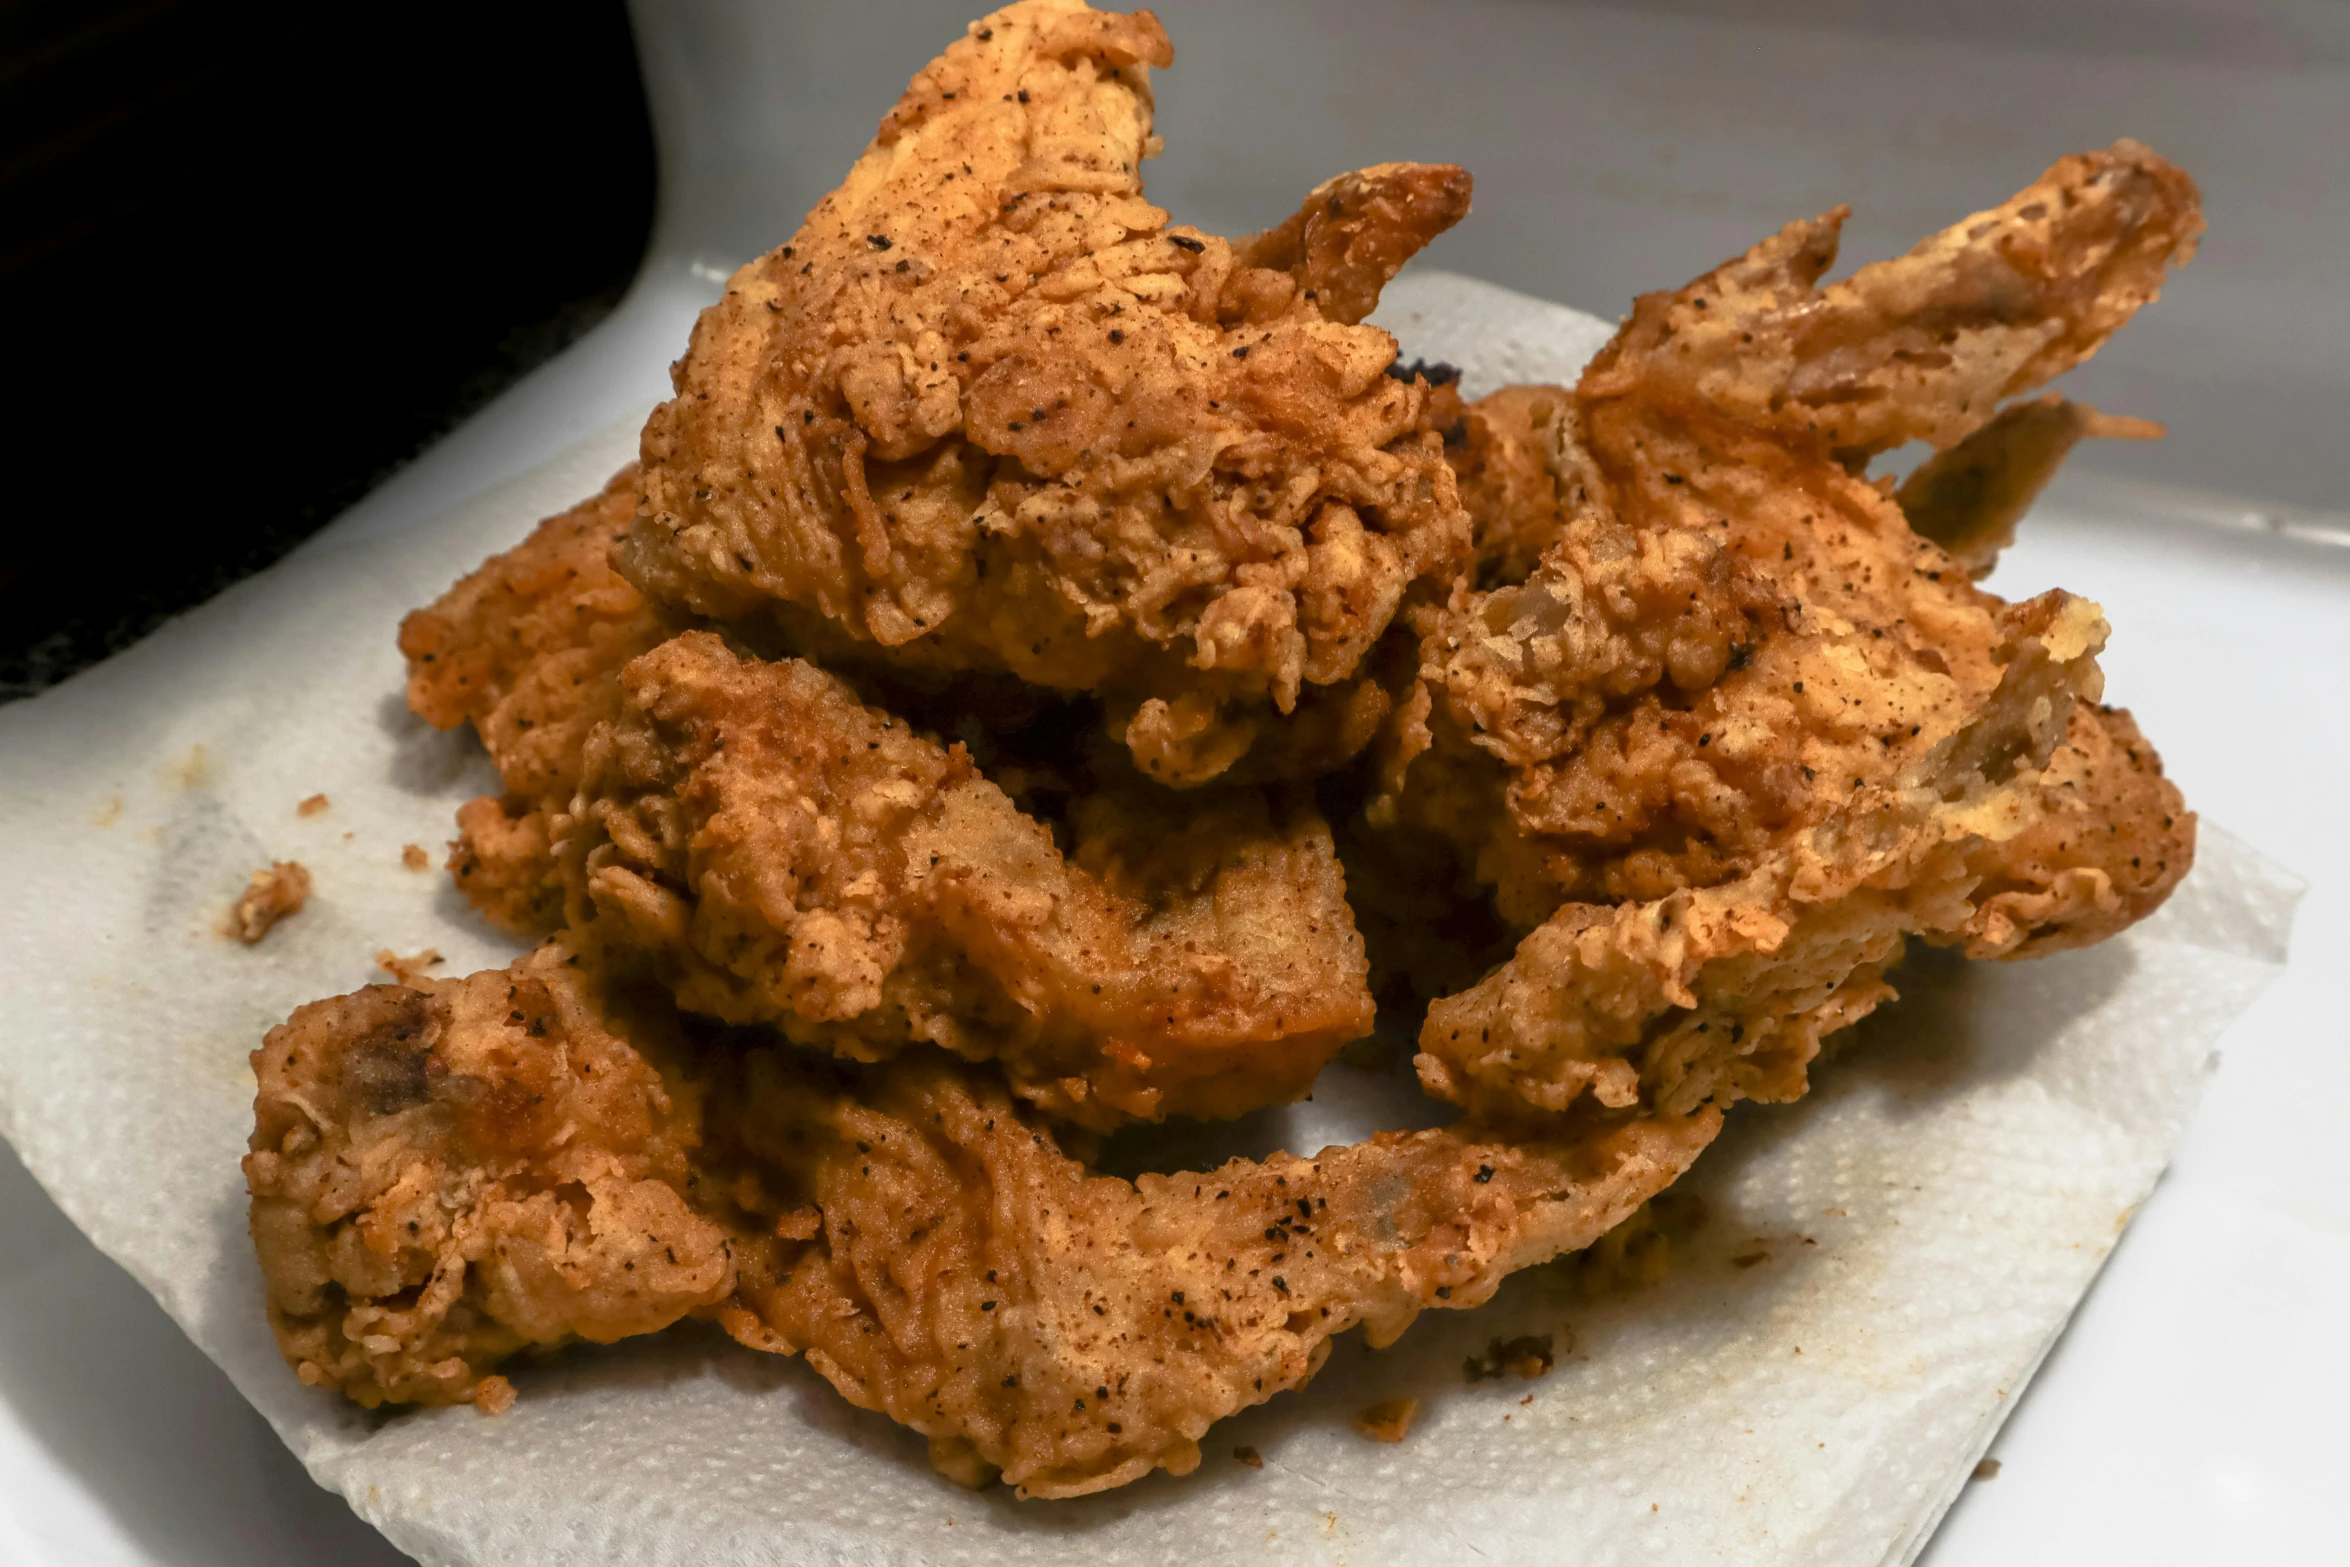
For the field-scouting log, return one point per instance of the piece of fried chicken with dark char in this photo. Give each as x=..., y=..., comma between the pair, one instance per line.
x=990, y=411
x=778, y=853
x=527, y=649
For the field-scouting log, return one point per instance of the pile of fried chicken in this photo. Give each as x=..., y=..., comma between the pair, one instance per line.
x=1052, y=669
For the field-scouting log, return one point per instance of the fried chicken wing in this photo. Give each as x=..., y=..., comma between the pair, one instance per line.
x=784, y=855
x=988, y=411
x=528, y=649
x=444, y=1176
x=445, y=1173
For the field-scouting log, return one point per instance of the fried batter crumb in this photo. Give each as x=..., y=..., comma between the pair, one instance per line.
x=414, y=857
x=408, y=970
x=1249, y=1456
x=270, y=896
x=1389, y=1420
x=314, y=806
x=493, y=1395
x=1527, y=1357
x=1988, y=1469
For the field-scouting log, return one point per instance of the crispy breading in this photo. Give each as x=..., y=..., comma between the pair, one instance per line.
x=1969, y=497
x=784, y=855
x=1718, y=992
x=445, y=1175
x=1516, y=484
x=1720, y=750
x=1925, y=346
x=2105, y=837
x=447, y=1171
x=526, y=649
x=1733, y=631
x=989, y=411
x=275, y=892
x=1076, y=1331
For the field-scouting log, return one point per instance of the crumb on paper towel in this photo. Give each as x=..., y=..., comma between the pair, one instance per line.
x=1988, y=1469
x=1249, y=1456
x=415, y=858
x=314, y=806
x=270, y=896
x=408, y=970
x=1530, y=1356
x=1389, y=1420
x=1749, y=1259
x=494, y=1396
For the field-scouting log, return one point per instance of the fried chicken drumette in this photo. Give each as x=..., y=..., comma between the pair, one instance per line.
x=1675, y=746
x=443, y=1176
x=528, y=649
x=989, y=411
x=782, y=854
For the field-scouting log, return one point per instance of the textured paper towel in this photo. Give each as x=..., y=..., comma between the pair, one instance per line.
x=1925, y=1221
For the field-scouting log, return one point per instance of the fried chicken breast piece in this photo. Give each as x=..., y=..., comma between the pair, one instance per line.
x=1073, y=1331
x=445, y=1173
x=780, y=854
x=1734, y=631
x=527, y=649
x=988, y=411
x=1707, y=748
x=1714, y=993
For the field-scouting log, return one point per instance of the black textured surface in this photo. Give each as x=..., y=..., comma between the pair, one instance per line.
x=254, y=256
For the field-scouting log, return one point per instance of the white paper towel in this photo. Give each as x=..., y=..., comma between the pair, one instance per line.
x=1926, y=1220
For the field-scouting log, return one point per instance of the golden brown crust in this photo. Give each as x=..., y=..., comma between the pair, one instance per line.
x=987, y=411
x=447, y=1171
x=1726, y=747
x=785, y=855
x=444, y=1176
x=1718, y=993
x=2105, y=840
x=1925, y=346
x=527, y=649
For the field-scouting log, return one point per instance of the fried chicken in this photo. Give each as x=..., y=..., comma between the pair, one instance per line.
x=924, y=760
x=1969, y=497
x=444, y=1176
x=1713, y=993
x=446, y=1172
x=1737, y=653
x=1075, y=1331
x=528, y=649
x=781, y=854
x=988, y=411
